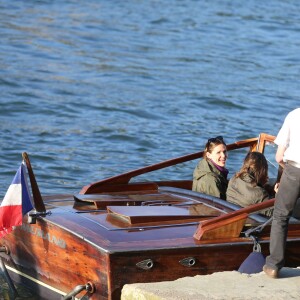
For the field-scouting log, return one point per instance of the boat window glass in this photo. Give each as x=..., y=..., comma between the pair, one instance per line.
x=270, y=151
x=184, y=171
x=181, y=171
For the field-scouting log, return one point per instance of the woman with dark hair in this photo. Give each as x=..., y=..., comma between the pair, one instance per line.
x=210, y=174
x=246, y=187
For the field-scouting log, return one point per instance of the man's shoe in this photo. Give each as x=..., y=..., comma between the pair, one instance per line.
x=270, y=272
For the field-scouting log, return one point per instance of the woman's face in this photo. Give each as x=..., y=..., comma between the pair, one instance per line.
x=218, y=155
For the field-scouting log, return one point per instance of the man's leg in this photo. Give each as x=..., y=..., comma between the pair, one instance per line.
x=285, y=202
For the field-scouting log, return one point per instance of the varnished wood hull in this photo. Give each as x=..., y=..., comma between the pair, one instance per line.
x=66, y=249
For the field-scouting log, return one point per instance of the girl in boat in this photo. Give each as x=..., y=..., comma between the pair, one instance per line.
x=247, y=186
x=210, y=174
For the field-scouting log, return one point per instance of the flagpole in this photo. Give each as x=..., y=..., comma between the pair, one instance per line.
x=37, y=198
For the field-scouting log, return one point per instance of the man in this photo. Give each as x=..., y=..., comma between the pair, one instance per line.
x=288, y=152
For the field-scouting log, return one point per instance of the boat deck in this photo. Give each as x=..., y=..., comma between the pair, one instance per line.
x=133, y=221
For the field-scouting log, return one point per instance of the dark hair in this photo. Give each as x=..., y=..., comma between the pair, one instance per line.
x=256, y=165
x=212, y=143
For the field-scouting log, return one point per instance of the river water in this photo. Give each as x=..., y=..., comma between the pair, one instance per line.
x=90, y=89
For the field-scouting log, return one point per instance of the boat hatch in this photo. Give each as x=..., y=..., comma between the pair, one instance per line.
x=146, y=209
x=149, y=214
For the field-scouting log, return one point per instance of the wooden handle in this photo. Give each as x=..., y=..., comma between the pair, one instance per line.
x=224, y=219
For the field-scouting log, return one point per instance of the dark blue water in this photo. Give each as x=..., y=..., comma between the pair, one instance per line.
x=90, y=89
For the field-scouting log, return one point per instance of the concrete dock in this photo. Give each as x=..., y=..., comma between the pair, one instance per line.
x=220, y=286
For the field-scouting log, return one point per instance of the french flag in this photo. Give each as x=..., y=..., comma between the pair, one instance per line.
x=16, y=202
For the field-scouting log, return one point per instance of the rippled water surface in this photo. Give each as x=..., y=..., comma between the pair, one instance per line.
x=93, y=88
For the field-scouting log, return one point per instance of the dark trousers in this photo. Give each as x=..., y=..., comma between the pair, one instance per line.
x=286, y=198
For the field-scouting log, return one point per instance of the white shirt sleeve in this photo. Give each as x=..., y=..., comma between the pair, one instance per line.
x=283, y=136
x=289, y=136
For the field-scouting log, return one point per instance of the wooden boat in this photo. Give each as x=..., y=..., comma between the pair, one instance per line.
x=120, y=230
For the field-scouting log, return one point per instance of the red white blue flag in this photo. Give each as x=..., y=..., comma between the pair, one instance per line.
x=16, y=202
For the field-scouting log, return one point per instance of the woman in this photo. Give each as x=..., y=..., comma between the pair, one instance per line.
x=246, y=187
x=210, y=175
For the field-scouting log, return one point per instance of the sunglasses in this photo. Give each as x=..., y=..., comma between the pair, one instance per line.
x=216, y=139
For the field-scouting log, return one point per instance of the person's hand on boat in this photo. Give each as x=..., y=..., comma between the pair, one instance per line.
x=276, y=187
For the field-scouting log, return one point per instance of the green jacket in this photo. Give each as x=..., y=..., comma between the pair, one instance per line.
x=209, y=180
x=243, y=193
